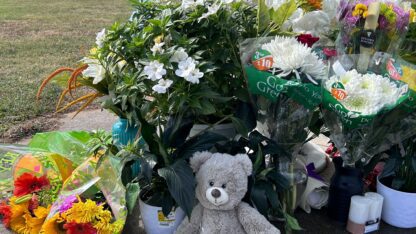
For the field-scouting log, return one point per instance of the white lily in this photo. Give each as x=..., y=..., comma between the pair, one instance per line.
x=154, y=70
x=99, y=39
x=211, y=11
x=187, y=69
x=162, y=86
x=179, y=55
x=94, y=70
x=157, y=48
x=191, y=4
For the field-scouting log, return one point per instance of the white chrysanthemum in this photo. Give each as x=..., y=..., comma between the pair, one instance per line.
x=289, y=55
x=190, y=4
x=179, y=55
x=94, y=70
x=211, y=11
x=162, y=86
x=154, y=70
x=367, y=93
x=99, y=39
x=157, y=48
x=275, y=4
x=187, y=69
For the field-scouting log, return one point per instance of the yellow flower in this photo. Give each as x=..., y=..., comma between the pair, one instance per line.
x=93, y=51
x=17, y=220
x=83, y=212
x=360, y=10
x=53, y=225
x=409, y=76
x=412, y=17
x=32, y=224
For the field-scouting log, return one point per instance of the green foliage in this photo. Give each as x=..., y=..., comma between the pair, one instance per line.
x=400, y=170
x=212, y=42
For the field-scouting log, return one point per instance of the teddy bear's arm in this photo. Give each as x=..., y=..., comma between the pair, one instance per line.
x=253, y=222
x=193, y=225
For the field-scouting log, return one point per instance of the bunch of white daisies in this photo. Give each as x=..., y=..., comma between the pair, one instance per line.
x=367, y=93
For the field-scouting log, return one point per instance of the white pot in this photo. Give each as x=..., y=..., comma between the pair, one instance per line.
x=227, y=130
x=399, y=208
x=156, y=223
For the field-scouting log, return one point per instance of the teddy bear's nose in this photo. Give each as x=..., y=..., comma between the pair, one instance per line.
x=216, y=193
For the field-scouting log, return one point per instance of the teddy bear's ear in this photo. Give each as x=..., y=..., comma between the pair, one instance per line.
x=245, y=161
x=198, y=159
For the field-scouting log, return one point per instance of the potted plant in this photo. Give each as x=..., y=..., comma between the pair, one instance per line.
x=397, y=184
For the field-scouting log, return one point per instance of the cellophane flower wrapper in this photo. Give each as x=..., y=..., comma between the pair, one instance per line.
x=392, y=26
x=84, y=183
x=284, y=98
x=31, y=177
x=366, y=113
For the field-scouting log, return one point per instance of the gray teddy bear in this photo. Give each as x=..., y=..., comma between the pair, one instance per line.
x=221, y=184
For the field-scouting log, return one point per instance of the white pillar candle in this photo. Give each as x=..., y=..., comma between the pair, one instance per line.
x=359, y=209
x=376, y=205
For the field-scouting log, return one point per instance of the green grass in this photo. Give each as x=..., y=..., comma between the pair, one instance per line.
x=37, y=37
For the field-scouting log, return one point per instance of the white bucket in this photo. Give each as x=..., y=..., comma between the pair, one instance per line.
x=156, y=223
x=399, y=208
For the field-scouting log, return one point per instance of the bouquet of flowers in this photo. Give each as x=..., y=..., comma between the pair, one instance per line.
x=378, y=25
x=368, y=112
x=91, y=201
x=284, y=77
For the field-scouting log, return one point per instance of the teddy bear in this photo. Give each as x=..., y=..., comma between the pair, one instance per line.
x=221, y=184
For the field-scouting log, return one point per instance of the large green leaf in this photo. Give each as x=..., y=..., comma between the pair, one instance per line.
x=263, y=16
x=280, y=181
x=177, y=130
x=292, y=222
x=202, y=142
x=284, y=12
x=181, y=184
x=259, y=197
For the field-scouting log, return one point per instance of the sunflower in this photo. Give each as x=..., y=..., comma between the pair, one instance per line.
x=53, y=225
x=17, y=221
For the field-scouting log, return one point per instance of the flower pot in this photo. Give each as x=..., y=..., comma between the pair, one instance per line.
x=399, y=208
x=156, y=223
x=226, y=130
x=122, y=134
x=345, y=183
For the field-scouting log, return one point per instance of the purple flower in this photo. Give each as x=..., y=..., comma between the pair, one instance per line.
x=383, y=22
x=67, y=203
x=402, y=18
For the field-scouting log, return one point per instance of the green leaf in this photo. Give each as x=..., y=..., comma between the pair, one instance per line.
x=202, y=142
x=263, y=16
x=239, y=126
x=398, y=183
x=292, y=222
x=259, y=160
x=281, y=182
x=132, y=192
x=284, y=12
x=207, y=107
x=259, y=197
x=177, y=130
x=181, y=184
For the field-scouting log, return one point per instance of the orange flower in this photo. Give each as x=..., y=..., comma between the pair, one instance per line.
x=315, y=4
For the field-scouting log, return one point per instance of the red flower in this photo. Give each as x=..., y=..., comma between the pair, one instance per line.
x=79, y=228
x=28, y=183
x=5, y=214
x=330, y=52
x=307, y=39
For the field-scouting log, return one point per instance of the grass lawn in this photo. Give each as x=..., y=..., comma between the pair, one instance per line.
x=38, y=36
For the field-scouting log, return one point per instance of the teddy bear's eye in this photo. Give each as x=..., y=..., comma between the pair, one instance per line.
x=223, y=186
x=211, y=183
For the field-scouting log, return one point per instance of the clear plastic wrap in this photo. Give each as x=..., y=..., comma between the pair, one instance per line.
x=366, y=113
